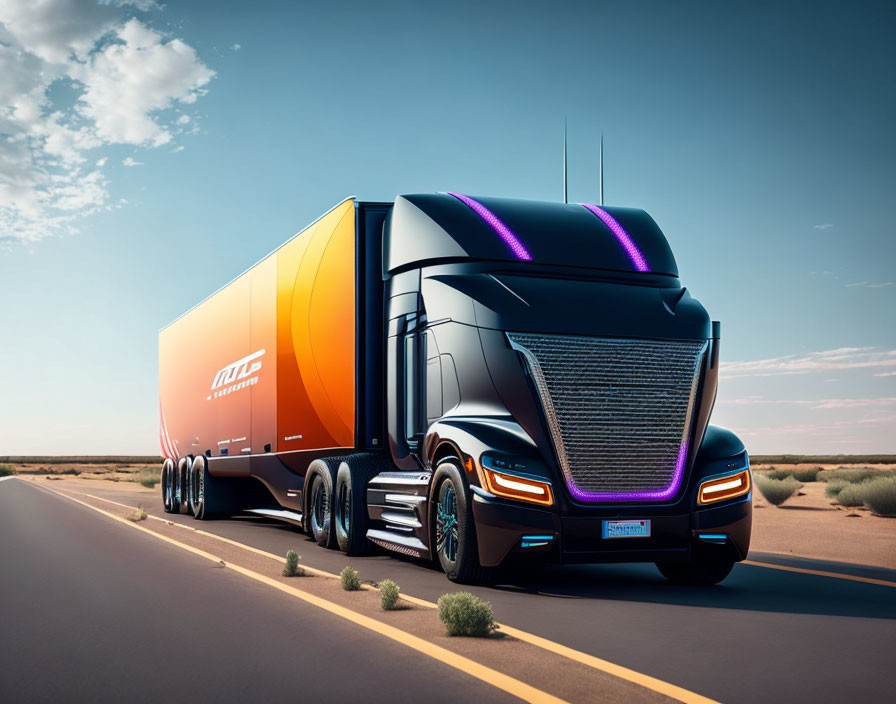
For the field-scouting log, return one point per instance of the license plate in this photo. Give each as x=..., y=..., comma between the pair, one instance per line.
x=637, y=528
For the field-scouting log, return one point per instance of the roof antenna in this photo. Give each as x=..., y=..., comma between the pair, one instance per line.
x=565, y=199
x=600, y=174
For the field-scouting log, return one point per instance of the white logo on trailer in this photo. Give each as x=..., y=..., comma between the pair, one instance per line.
x=237, y=375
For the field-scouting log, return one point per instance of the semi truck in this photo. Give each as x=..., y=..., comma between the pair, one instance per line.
x=481, y=382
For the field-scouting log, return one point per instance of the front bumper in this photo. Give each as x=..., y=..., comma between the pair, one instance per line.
x=509, y=531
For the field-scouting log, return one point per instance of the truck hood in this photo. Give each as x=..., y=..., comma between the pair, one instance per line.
x=511, y=302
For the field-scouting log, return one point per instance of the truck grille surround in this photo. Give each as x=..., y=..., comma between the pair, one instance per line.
x=619, y=411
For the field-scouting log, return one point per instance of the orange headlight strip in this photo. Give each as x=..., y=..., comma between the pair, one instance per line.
x=722, y=488
x=510, y=486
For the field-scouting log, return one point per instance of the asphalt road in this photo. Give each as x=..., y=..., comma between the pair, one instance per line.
x=762, y=635
x=81, y=621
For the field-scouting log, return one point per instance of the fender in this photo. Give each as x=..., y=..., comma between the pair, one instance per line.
x=721, y=450
x=471, y=437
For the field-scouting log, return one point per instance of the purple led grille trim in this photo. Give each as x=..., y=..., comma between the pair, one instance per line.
x=661, y=495
x=494, y=222
x=631, y=249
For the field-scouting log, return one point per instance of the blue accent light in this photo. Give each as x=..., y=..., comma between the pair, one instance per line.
x=535, y=541
x=712, y=536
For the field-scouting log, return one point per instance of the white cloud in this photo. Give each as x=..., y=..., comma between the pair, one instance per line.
x=126, y=77
x=827, y=360
x=183, y=119
x=178, y=148
x=824, y=226
x=823, y=404
x=893, y=373
x=235, y=47
x=129, y=161
x=127, y=83
x=865, y=284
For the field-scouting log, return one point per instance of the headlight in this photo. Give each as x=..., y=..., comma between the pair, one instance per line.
x=513, y=486
x=724, y=487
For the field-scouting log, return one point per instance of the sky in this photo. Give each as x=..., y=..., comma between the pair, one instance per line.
x=150, y=152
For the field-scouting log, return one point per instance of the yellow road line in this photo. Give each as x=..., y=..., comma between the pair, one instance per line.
x=497, y=679
x=821, y=573
x=652, y=683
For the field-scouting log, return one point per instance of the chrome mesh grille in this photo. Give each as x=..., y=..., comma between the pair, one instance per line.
x=619, y=411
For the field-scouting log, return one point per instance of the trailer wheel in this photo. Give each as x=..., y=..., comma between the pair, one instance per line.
x=453, y=529
x=196, y=488
x=350, y=504
x=168, y=486
x=320, y=479
x=695, y=573
x=181, y=482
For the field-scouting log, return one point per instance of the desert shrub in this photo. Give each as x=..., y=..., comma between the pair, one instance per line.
x=776, y=491
x=138, y=515
x=774, y=473
x=466, y=615
x=833, y=488
x=350, y=580
x=149, y=482
x=851, y=495
x=292, y=569
x=851, y=474
x=389, y=591
x=5, y=470
x=806, y=474
x=880, y=496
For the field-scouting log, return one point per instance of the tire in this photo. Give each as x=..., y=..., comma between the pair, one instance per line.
x=453, y=528
x=210, y=497
x=196, y=488
x=696, y=573
x=168, y=487
x=181, y=479
x=349, y=514
x=320, y=480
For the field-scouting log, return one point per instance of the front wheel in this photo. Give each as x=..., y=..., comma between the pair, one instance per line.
x=696, y=573
x=454, y=531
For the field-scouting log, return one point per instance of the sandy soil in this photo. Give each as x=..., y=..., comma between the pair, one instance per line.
x=809, y=525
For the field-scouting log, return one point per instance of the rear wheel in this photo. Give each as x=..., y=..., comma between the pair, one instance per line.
x=211, y=497
x=196, y=488
x=696, y=573
x=320, y=479
x=168, y=486
x=181, y=482
x=453, y=528
x=350, y=505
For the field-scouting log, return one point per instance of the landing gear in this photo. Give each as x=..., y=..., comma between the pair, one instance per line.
x=696, y=573
x=453, y=530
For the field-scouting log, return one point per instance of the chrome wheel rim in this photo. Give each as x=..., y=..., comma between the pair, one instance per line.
x=447, y=537
x=320, y=515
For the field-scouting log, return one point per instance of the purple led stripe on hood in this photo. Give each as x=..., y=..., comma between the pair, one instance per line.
x=631, y=249
x=505, y=233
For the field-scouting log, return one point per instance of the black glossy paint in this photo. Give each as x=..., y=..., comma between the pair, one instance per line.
x=438, y=291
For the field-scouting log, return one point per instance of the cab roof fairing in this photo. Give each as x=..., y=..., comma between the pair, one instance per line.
x=449, y=226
